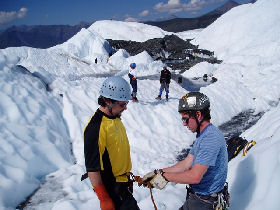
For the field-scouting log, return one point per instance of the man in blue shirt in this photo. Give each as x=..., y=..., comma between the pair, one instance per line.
x=205, y=167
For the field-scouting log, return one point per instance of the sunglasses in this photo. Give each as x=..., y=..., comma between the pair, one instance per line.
x=185, y=120
x=123, y=105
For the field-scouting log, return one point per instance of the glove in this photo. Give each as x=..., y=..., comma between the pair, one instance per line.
x=148, y=177
x=159, y=181
x=106, y=202
x=133, y=78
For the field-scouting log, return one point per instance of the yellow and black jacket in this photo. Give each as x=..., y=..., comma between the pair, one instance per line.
x=106, y=148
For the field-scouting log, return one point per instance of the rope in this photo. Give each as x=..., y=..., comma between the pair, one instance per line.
x=140, y=182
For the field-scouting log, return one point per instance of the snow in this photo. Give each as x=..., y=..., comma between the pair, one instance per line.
x=130, y=31
x=145, y=63
x=255, y=32
x=199, y=70
x=191, y=34
x=48, y=96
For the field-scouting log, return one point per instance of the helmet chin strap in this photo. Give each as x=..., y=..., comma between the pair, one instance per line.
x=198, y=124
x=110, y=107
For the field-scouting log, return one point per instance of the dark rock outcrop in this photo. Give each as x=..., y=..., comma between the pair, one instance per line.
x=156, y=47
x=172, y=50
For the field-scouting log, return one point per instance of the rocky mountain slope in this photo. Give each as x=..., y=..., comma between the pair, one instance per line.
x=41, y=36
x=172, y=50
x=185, y=24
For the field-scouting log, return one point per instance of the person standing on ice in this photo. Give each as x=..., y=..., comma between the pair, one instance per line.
x=107, y=149
x=165, y=77
x=133, y=81
x=205, y=167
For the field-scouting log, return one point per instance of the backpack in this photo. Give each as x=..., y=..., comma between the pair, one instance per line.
x=237, y=144
x=234, y=146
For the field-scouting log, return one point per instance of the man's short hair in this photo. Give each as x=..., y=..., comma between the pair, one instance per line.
x=204, y=112
x=102, y=101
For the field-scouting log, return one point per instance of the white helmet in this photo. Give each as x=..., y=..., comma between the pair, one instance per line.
x=115, y=88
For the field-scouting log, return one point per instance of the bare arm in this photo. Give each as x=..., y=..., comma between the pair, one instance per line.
x=181, y=166
x=95, y=178
x=192, y=176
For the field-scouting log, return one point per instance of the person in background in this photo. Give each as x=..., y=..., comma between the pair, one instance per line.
x=205, y=77
x=195, y=56
x=165, y=77
x=213, y=79
x=205, y=167
x=133, y=81
x=107, y=149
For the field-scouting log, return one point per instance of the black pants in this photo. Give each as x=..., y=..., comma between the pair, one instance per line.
x=121, y=194
x=133, y=83
x=196, y=202
x=164, y=86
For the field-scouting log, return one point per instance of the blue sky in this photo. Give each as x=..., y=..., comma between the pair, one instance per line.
x=71, y=12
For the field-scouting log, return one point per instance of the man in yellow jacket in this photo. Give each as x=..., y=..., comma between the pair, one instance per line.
x=107, y=150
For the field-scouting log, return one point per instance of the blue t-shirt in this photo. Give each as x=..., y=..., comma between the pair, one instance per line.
x=210, y=149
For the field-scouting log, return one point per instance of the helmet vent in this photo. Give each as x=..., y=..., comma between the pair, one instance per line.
x=112, y=87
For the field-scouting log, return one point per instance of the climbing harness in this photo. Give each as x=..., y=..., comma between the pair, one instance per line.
x=223, y=199
x=248, y=146
x=140, y=182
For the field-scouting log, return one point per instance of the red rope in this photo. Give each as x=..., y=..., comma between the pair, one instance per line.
x=140, y=182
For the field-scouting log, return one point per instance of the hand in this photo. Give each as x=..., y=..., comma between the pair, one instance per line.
x=106, y=202
x=148, y=177
x=133, y=78
x=159, y=181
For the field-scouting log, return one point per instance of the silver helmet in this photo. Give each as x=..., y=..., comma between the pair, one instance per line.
x=115, y=88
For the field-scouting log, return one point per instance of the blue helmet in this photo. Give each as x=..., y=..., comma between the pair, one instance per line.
x=116, y=88
x=133, y=65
